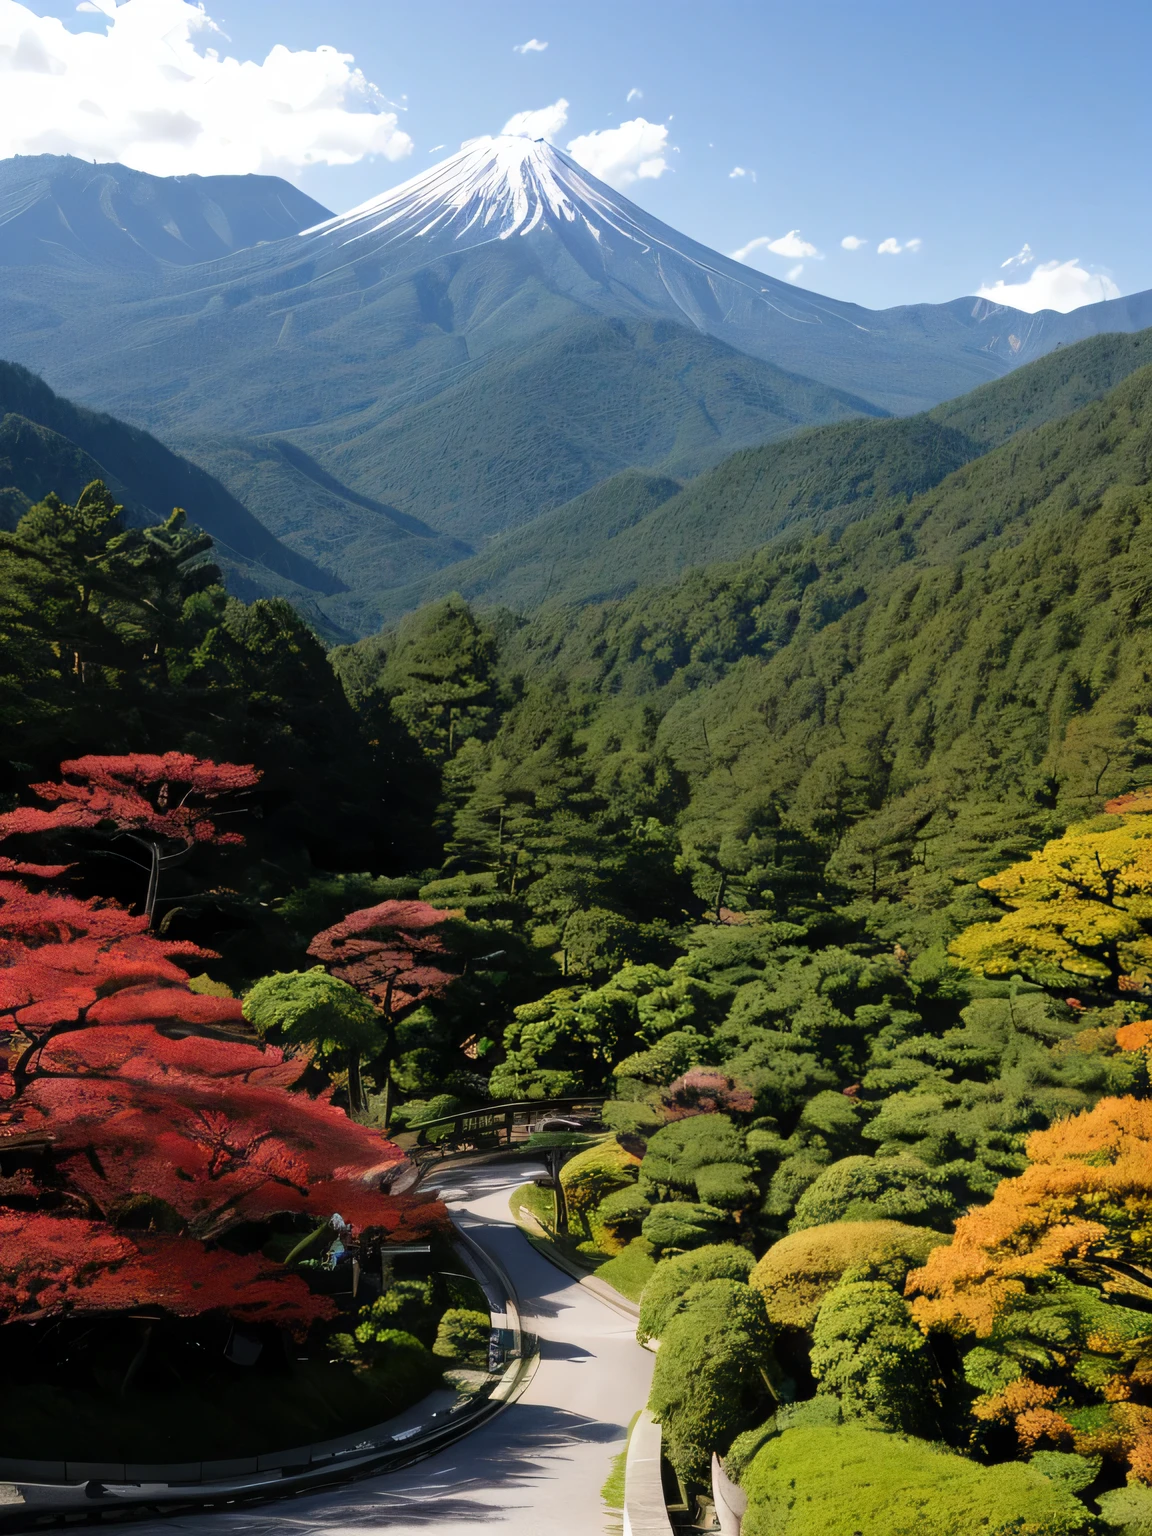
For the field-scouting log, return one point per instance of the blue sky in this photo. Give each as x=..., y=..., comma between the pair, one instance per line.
x=977, y=130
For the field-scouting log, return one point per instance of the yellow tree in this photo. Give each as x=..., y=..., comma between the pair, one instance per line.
x=1050, y=1288
x=1081, y=907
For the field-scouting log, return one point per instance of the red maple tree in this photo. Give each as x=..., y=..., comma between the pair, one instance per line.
x=395, y=953
x=138, y=1126
x=161, y=802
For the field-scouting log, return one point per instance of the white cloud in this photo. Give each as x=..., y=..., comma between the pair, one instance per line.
x=533, y=45
x=635, y=150
x=889, y=247
x=794, y=272
x=913, y=244
x=435, y=147
x=1022, y=258
x=738, y=171
x=852, y=242
x=146, y=91
x=1059, y=285
x=786, y=245
x=543, y=123
x=635, y=94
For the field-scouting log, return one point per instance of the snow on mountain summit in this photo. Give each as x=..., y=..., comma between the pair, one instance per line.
x=498, y=187
x=492, y=188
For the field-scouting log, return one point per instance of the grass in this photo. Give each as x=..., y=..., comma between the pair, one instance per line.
x=630, y=1271
x=613, y=1490
x=538, y=1201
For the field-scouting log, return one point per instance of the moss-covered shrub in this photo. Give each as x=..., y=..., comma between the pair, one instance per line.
x=619, y=1218
x=632, y=1117
x=597, y=1172
x=868, y=1353
x=680, y=1224
x=797, y=1273
x=463, y=1335
x=665, y=1292
x=872, y=1189
x=728, y=1185
x=676, y=1153
x=846, y=1479
x=709, y=1380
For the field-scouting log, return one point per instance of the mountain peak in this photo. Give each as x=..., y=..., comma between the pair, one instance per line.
x=492, y=188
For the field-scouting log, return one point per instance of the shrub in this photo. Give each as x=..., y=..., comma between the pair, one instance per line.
x=632, y=1117
x=728, y=1185
x=709, y=1380
x=842, y=1480
x=405, y=1304
x=1127, y=1510
x=868, y=1353
x=621, y=1215
x=797, y=1273
x=597, y=1172
x=680, y=1224
x=704, y=1091
x=667, y=1288
x=463, y=1334
x=1072, y=1472
x=372, y=1345
x=872, y=1189
x=676, y=1153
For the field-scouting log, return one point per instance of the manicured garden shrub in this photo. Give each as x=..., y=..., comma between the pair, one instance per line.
x=868, y=1353
x=847, y=1479
x=597, y=1172
x=620, y=1217
x=797, y=1273
x=676, y=1153
x=667, y=1288
x=875, y=1188
x=728, y=1185
x=679, y=1224
x=709, y=1381
x=463, y=1334
x=632, y=1117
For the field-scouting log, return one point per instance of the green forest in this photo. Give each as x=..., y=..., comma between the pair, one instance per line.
x=829, y=866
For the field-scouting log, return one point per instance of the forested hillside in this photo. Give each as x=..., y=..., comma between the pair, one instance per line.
x=634, y=530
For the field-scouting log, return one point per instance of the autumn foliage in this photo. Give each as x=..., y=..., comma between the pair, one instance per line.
x=395, y=953
x=1080, y=906
x=141, y=1123
x=160, y=801
x=1063, y=1251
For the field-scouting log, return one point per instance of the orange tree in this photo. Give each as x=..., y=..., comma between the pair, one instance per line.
x=1048, y=1290
x=1080, y=907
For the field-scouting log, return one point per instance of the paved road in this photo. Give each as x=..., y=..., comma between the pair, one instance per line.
x=534, y=1470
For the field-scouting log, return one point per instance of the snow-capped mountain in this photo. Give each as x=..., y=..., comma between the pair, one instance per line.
x=393, y=387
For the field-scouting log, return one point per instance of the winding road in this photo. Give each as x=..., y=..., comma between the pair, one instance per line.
x=535, y=1469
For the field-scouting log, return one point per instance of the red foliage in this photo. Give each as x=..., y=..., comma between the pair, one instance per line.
x=60, y=957
x=1138, y=802
x=164, y=797
x=706, y=1091
x=122, y=1105
x=53, y=1266
x=205, y=1126
x=393, y=953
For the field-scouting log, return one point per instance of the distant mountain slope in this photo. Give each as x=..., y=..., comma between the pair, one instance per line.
x=57, y=210
x=477, y=347
x=47, y=443
x=631, y=530
x=993, y=634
